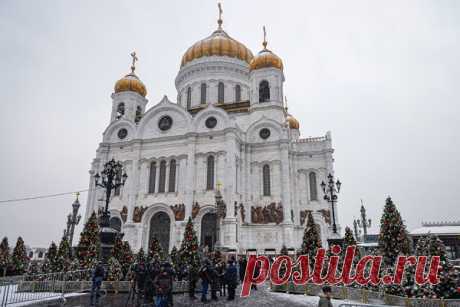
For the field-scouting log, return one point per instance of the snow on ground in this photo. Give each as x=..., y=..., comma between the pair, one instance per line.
x=9, y=296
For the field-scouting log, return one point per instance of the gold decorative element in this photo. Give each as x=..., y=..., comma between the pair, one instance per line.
x=179, y=212
x=219, y=43
x=77, y=194
x=131, y=82
x=195, y=210
x=291, y=120
x=138, y=213
x=124, y=214
x=273, y=213
x=266, y=58
x=219, y=185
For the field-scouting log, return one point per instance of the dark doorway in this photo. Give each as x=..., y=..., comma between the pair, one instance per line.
x=160, y=225
x=209, y=230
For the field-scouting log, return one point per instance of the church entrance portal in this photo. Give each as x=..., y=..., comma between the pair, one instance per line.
x=209, y=230
x=160, y=226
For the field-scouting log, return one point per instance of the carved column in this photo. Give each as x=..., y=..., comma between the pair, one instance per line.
x=189, y=180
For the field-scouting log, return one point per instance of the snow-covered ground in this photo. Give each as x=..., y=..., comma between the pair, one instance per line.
x=10, y=297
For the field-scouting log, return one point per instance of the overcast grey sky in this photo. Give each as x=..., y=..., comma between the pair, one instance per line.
x=382, y=76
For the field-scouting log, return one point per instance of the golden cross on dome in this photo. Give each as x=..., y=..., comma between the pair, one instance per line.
x=133, y=65
x=219, y=21
x=265, y=38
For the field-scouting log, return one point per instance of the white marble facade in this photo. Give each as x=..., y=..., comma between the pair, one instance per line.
x=237, y=148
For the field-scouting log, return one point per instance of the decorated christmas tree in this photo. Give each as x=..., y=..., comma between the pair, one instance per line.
x=393, y=238
x=393, y=242
x=349, y=240
x=34, y=268
x=448, y=275
x=88, y=248
x=311, y=240
x=114, y=272
x=50, y=263
x=63, y=257
x=122, y=252
x=188, y=252
x=19, y=259
x=155, y=249
x=4, y=256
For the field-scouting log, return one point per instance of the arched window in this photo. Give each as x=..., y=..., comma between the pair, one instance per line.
x=220, y=92
x=118, y=189
x=138, y=114
x=313, y=186
x=237, y=93
x=210, y=173
x=264, y=91
x=161, y=185
x=189, y=98
x=40, y=255
x=203, y=93
x=120, y=110
x=172, y=176
x=266, y=179
x=152, y=177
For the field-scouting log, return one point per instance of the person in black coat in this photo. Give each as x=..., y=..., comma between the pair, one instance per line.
x=231, y=279
x=97, y=277
x=205, y=280
x=242, y=263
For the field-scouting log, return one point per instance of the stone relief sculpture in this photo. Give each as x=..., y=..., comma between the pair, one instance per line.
x=124, y=214
x=273, y=213
x=195, y=210
x=138, y=213
x=303, y=216
x=179, y=212
x=326, y=215
x=243, y=213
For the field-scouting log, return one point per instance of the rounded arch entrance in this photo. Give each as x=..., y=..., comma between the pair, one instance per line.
x=209, y=230
x=160, y=227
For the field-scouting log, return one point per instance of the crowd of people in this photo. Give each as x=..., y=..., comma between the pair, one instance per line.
x=152, y=280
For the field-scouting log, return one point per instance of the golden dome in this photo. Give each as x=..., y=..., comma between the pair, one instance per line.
x=219, y=43
x=130, y=82
x=293, y=123
x=266, y=58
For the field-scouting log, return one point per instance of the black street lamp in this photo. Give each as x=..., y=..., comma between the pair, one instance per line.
x=72, y=220
x=364, y=222
x=110, y=179
x=331, y=189
x=221, y=211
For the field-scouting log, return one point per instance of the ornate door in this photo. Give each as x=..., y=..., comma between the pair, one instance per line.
x=160, y=226
x=209, y=230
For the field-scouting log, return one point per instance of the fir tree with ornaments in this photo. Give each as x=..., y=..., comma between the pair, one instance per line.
x=4, y=256
x=114, y=272
x=393, y=242
x=188, y=252
x=50, y=263
x=19, y=259
x=155, y=249
x=63, y=257
x=88, y=248
x=311, y=241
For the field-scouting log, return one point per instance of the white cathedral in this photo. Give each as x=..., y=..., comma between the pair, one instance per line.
x=229, y=133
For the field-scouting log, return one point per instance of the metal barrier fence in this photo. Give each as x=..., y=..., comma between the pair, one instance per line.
x=29, y=288
x=366, y=296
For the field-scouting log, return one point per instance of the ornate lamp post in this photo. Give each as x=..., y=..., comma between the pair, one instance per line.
x=355, y=230
x=110, y=179
x=221, y=209
x=363, y=223
x=72, y=220
x=331, y=189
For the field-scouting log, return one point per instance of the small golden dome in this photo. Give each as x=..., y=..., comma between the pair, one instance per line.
x=293, y=123
x=266, y=58
x=131, y=82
